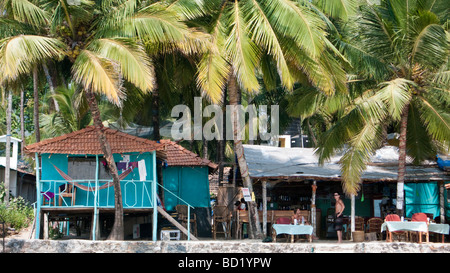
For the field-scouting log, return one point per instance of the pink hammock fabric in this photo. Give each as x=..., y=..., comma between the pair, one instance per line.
x=87, y=188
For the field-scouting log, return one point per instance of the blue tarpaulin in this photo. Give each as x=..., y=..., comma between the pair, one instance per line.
x=422, y=197
x=442, y=162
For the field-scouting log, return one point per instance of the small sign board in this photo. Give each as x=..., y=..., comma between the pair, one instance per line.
x=247, y=195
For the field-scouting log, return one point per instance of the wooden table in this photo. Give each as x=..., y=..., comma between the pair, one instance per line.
x=404, y=226
x=292, y=230
x=442, y=229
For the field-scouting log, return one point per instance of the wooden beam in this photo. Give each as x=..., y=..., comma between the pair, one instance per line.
x=175, y=223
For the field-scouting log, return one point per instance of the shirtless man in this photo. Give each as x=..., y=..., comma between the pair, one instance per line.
x=339, y=218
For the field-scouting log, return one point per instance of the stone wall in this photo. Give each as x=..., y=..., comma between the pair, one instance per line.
x=245, y=246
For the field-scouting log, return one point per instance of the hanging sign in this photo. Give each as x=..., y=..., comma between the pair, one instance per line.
x=247, y=195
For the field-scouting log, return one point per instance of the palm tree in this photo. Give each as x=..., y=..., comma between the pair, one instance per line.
x=287, y=36
x=403, y=49
x=99, y=42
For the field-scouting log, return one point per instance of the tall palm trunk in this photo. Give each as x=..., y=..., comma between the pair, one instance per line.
x=50, y=84
x=221, y=143
x=22, y=121
x=255, y=229
x=36, y=104
x=117, y=232
x=402, y=160
x=155, y=115
x=8, y=147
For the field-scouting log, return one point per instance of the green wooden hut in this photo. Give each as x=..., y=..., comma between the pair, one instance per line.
x=186, y=175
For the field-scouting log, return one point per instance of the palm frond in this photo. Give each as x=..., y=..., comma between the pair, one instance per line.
x=377, y=34
x=362, y=61
x=99, y=75
x=300, y=23
x=19, y=53
x=431, y=47
x=367, y=110
x=188, y=9
x=436, y=119
x=212, y=75
x=442, y=78
x=355, y=159
x=325, y=72
x=341, y=9
x=243, y=53
x=419, y=144
x=213, y=68
x=25, y=11
x=154, y=23
x=10, y=27
x=396, y=95
x=134, y=63
x=265, y=36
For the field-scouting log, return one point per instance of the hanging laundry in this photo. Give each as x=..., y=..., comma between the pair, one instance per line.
x=126, y=159
x=121, y=166
x=142, y=170
x=48, y=195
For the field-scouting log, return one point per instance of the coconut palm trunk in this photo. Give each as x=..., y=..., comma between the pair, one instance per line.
x=117, y=230
x=50, y=84
x=22, y=120
x=402, y=160
x=36, y=104
x=255, y=230
x=8, y=147
x=155, y=115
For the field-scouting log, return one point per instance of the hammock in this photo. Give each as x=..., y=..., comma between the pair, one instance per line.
x=87, y=188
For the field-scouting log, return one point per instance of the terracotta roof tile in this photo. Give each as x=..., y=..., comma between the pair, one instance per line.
x=177, y=155
x=85, y=141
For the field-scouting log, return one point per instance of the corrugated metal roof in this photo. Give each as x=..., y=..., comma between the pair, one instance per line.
x=301, y=163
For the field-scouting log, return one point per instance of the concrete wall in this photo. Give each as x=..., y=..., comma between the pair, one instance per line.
x=247, y=246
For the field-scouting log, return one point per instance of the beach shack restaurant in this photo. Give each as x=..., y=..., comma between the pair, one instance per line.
x=73, y=181
x=289, y=178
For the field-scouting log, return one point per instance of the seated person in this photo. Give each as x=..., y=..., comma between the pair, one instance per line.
x=300, y=219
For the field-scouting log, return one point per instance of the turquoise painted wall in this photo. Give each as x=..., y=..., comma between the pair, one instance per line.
x=48, y=172
x=135, y=193
x=189, y=183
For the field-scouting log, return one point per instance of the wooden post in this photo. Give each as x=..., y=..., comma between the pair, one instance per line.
x=353, y=216
x=95, y=214
x=38, y=197
x=313, y=207
x=155, y=204
x=442, y=201
x=264, y=196
x=45, y=226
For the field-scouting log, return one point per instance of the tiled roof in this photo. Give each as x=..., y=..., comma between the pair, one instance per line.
x=177, y=155
x=85, y=142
